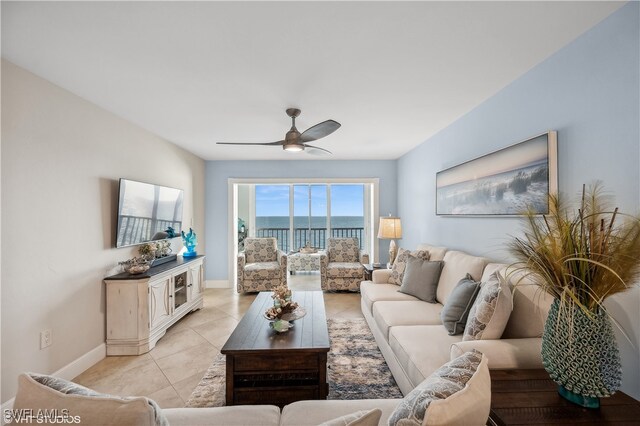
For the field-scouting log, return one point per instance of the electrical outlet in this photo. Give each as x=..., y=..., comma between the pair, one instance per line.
x=45, y=339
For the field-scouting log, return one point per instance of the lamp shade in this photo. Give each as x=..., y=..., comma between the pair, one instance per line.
x=390, y=228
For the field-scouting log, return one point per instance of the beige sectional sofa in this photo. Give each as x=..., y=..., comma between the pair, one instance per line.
x=413, y=340
x=301, y=413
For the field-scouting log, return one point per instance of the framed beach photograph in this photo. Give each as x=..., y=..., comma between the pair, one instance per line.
x=507, y=182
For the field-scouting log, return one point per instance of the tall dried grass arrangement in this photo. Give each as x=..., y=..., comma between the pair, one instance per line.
x=582, y=257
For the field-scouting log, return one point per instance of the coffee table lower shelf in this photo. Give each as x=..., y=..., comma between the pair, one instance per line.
x=276, y=379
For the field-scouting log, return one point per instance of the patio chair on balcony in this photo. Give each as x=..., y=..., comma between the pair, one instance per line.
x=341, y=265
x=261, y=266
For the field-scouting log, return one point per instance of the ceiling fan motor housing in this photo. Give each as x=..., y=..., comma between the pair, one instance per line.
x=292, y=138
x=292, y=141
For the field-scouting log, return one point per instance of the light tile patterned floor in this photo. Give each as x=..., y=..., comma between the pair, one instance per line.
x=170, y=371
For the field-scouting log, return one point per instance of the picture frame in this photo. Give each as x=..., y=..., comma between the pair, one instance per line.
x=506, y=182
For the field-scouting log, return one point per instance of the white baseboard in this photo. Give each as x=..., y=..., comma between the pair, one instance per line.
x=77, y=367
x=74, y=368
x=217, y=284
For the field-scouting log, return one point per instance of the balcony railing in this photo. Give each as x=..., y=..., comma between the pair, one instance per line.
x=317, y=237
x=136, y=229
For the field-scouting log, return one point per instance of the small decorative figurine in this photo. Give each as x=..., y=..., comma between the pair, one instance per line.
x=171, y=233
x=190, y=241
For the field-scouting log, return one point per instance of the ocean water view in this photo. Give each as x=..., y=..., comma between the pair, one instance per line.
x=282, y=222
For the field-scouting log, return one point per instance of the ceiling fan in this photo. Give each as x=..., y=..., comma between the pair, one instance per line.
x=294, y=141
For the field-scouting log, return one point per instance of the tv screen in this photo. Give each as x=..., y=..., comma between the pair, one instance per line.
x=146, y=211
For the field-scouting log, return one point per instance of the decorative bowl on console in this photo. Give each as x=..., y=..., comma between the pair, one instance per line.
x=137, y=265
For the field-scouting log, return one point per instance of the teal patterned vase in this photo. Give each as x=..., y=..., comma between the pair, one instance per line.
x=580, y=354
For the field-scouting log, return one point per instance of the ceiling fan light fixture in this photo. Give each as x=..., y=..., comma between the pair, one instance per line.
x=294, y=147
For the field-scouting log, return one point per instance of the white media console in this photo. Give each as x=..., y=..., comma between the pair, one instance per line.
x=140, y=308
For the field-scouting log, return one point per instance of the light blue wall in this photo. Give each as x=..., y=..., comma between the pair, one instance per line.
x=218, y=173
x=588, y=92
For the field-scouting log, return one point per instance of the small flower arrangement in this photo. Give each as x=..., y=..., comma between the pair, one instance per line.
x=164, y=248
x=156, y=249
x=148, y=250
x=282, y=304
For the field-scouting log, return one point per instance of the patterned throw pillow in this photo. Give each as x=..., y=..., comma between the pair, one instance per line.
x=400, y=264
x=457, y=393
x=490, y=312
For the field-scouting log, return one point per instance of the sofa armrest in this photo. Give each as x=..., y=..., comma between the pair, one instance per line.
x=242, y=260
x=324, y=260
x=504, y=353
x=364, y=258
x=282, y=260
x=381, y=276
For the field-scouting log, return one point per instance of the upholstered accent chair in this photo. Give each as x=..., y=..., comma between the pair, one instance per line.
x=261, y=266
x=341, y=265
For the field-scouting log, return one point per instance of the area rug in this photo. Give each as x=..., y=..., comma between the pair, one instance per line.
x=356, y=367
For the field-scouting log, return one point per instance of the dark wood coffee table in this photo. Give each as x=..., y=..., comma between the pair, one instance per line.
x=265, y=367
x=528, y=397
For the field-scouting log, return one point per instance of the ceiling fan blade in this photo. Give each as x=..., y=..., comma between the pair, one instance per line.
x=250, y=143
x=319, y=131
x=314, y=150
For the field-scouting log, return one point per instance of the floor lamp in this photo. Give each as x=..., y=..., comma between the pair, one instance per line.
x=390, y=228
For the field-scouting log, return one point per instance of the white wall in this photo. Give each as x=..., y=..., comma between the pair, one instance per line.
x=61, y=160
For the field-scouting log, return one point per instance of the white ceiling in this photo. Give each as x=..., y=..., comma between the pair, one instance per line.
x=393, y=73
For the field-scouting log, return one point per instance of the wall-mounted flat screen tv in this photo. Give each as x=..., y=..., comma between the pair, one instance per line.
x=146, y=212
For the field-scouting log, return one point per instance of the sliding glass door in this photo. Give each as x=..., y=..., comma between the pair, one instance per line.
x=348, y=212
x=297, y=211
x=297, y=214
x=272, y=216
x=309, y=216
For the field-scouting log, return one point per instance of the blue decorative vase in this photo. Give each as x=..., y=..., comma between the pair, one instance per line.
x=580, y=354
x=190, y=242
x=190, y=253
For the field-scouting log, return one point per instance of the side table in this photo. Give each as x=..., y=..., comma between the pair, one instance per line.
x=303, y=262
x=526, y=397
x=369, y=268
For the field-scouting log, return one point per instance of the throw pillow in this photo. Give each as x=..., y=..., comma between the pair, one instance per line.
x=456, y=309
x=359, y=418
x=491, y=310
x=400, y=264
x=421, y=278
x=39, y=392
x=458, y=393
